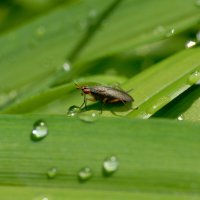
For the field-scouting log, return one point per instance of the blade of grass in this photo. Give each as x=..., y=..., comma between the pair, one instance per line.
x=28, y=51
x=185, y=107
x=154, y=155
x=64, y=35
x=40, y=99
x=138, y=22
x=36, y=193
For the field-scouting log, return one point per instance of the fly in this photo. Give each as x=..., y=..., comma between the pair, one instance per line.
x=104, y=94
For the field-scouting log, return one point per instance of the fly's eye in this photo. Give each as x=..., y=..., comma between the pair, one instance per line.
x=86, y=90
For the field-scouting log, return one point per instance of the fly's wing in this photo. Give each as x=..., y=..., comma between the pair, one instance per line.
x=102, y=92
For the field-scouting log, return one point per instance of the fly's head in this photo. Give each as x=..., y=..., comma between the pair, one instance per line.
x=85, y=89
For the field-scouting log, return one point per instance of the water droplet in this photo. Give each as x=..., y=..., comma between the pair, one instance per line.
x=194, y=78
x=52, y=173
x=190, y=44
x=89, y=21
x=73, y=111
x=45, y=198
x=92, y=13
x=84, y=174
x=160, y=30
x=39, y=131
x=158, y=105
x=6, y=97
x=41, y=197
x=67, y=66
x=88, y=116
x=180, y=117
x=40, y=32
x=110, y=165
x=170, y=32
x=197, y=2
x=198, y=36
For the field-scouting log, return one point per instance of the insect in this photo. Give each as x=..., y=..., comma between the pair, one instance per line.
x=104, y=94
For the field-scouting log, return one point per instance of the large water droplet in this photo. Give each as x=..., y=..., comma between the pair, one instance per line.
x=84, y=174
x=190, y=44
x=73, y=111
x=88, y=116
x=51, y=173
x=194, y=78
x=110, y=165
x=40, y=130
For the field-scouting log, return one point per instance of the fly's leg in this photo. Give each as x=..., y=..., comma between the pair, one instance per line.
x=84, y=102
x=129, y=90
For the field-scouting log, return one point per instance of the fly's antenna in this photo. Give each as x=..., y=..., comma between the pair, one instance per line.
x=78, y=86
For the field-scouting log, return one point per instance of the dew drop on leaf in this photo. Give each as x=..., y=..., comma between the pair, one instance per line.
x=40, y=31
x=73, y=111
x=88, y=116
x=194, y=78
x=67, y=66
x=51, y=173
x=190, y=44
x=159, y=103
x=170, y=32
x=84, y=174
x=110, y=165
x=39, y=131
x=180, y=118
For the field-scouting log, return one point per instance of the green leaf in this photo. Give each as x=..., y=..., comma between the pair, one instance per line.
x=185, y=107
x=154, y=156
x=160, y=84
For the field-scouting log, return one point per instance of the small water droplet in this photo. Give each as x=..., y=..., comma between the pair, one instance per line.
x=160, y=30
x=40, y=130
x=88, y=116
x=158, y=105
x=41, y=197
x=170, y=32
x=52, y=173
x=73, y=111
x=194, y=78
x=190, y=44
x=45, y=198
x=197, y=2
x=198, y=36
x=180, y=117
x=84, y=174
x=40, y=32
x=110, y=165
x=89, y=21
x=92, y=13
x=66, y=66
